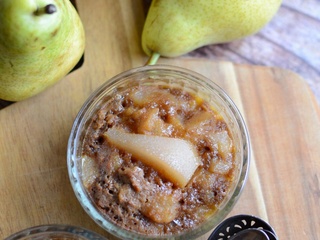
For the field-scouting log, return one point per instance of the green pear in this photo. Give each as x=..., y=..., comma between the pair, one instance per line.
x=176, y=27
x=40, y=42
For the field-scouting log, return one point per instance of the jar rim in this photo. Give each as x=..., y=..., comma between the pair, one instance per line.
x=52, y=230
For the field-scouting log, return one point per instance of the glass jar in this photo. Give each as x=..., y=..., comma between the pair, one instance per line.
x=160, y=75
x=55, y=232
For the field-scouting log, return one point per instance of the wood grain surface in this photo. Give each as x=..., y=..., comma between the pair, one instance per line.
x=281, y=113
x=291, y=41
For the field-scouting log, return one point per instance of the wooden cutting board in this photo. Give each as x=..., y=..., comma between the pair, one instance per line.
x=281, y=113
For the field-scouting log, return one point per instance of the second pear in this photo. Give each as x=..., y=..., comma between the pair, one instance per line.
x=175, y=27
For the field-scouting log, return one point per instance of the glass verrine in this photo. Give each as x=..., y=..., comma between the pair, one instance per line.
x=160, y=75
x=55, y=232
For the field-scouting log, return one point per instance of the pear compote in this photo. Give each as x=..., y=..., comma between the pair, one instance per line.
x=157, y=160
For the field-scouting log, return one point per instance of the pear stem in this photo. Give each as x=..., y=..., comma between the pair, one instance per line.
x=153, y=59
x=48, y=9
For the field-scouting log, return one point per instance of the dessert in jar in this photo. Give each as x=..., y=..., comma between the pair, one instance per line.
x=159, y=152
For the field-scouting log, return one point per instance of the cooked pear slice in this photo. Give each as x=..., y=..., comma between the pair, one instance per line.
x=173, y=158
x=90, y=171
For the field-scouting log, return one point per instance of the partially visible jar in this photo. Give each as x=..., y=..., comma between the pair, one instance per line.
x=55, y=232
x=164, y=76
